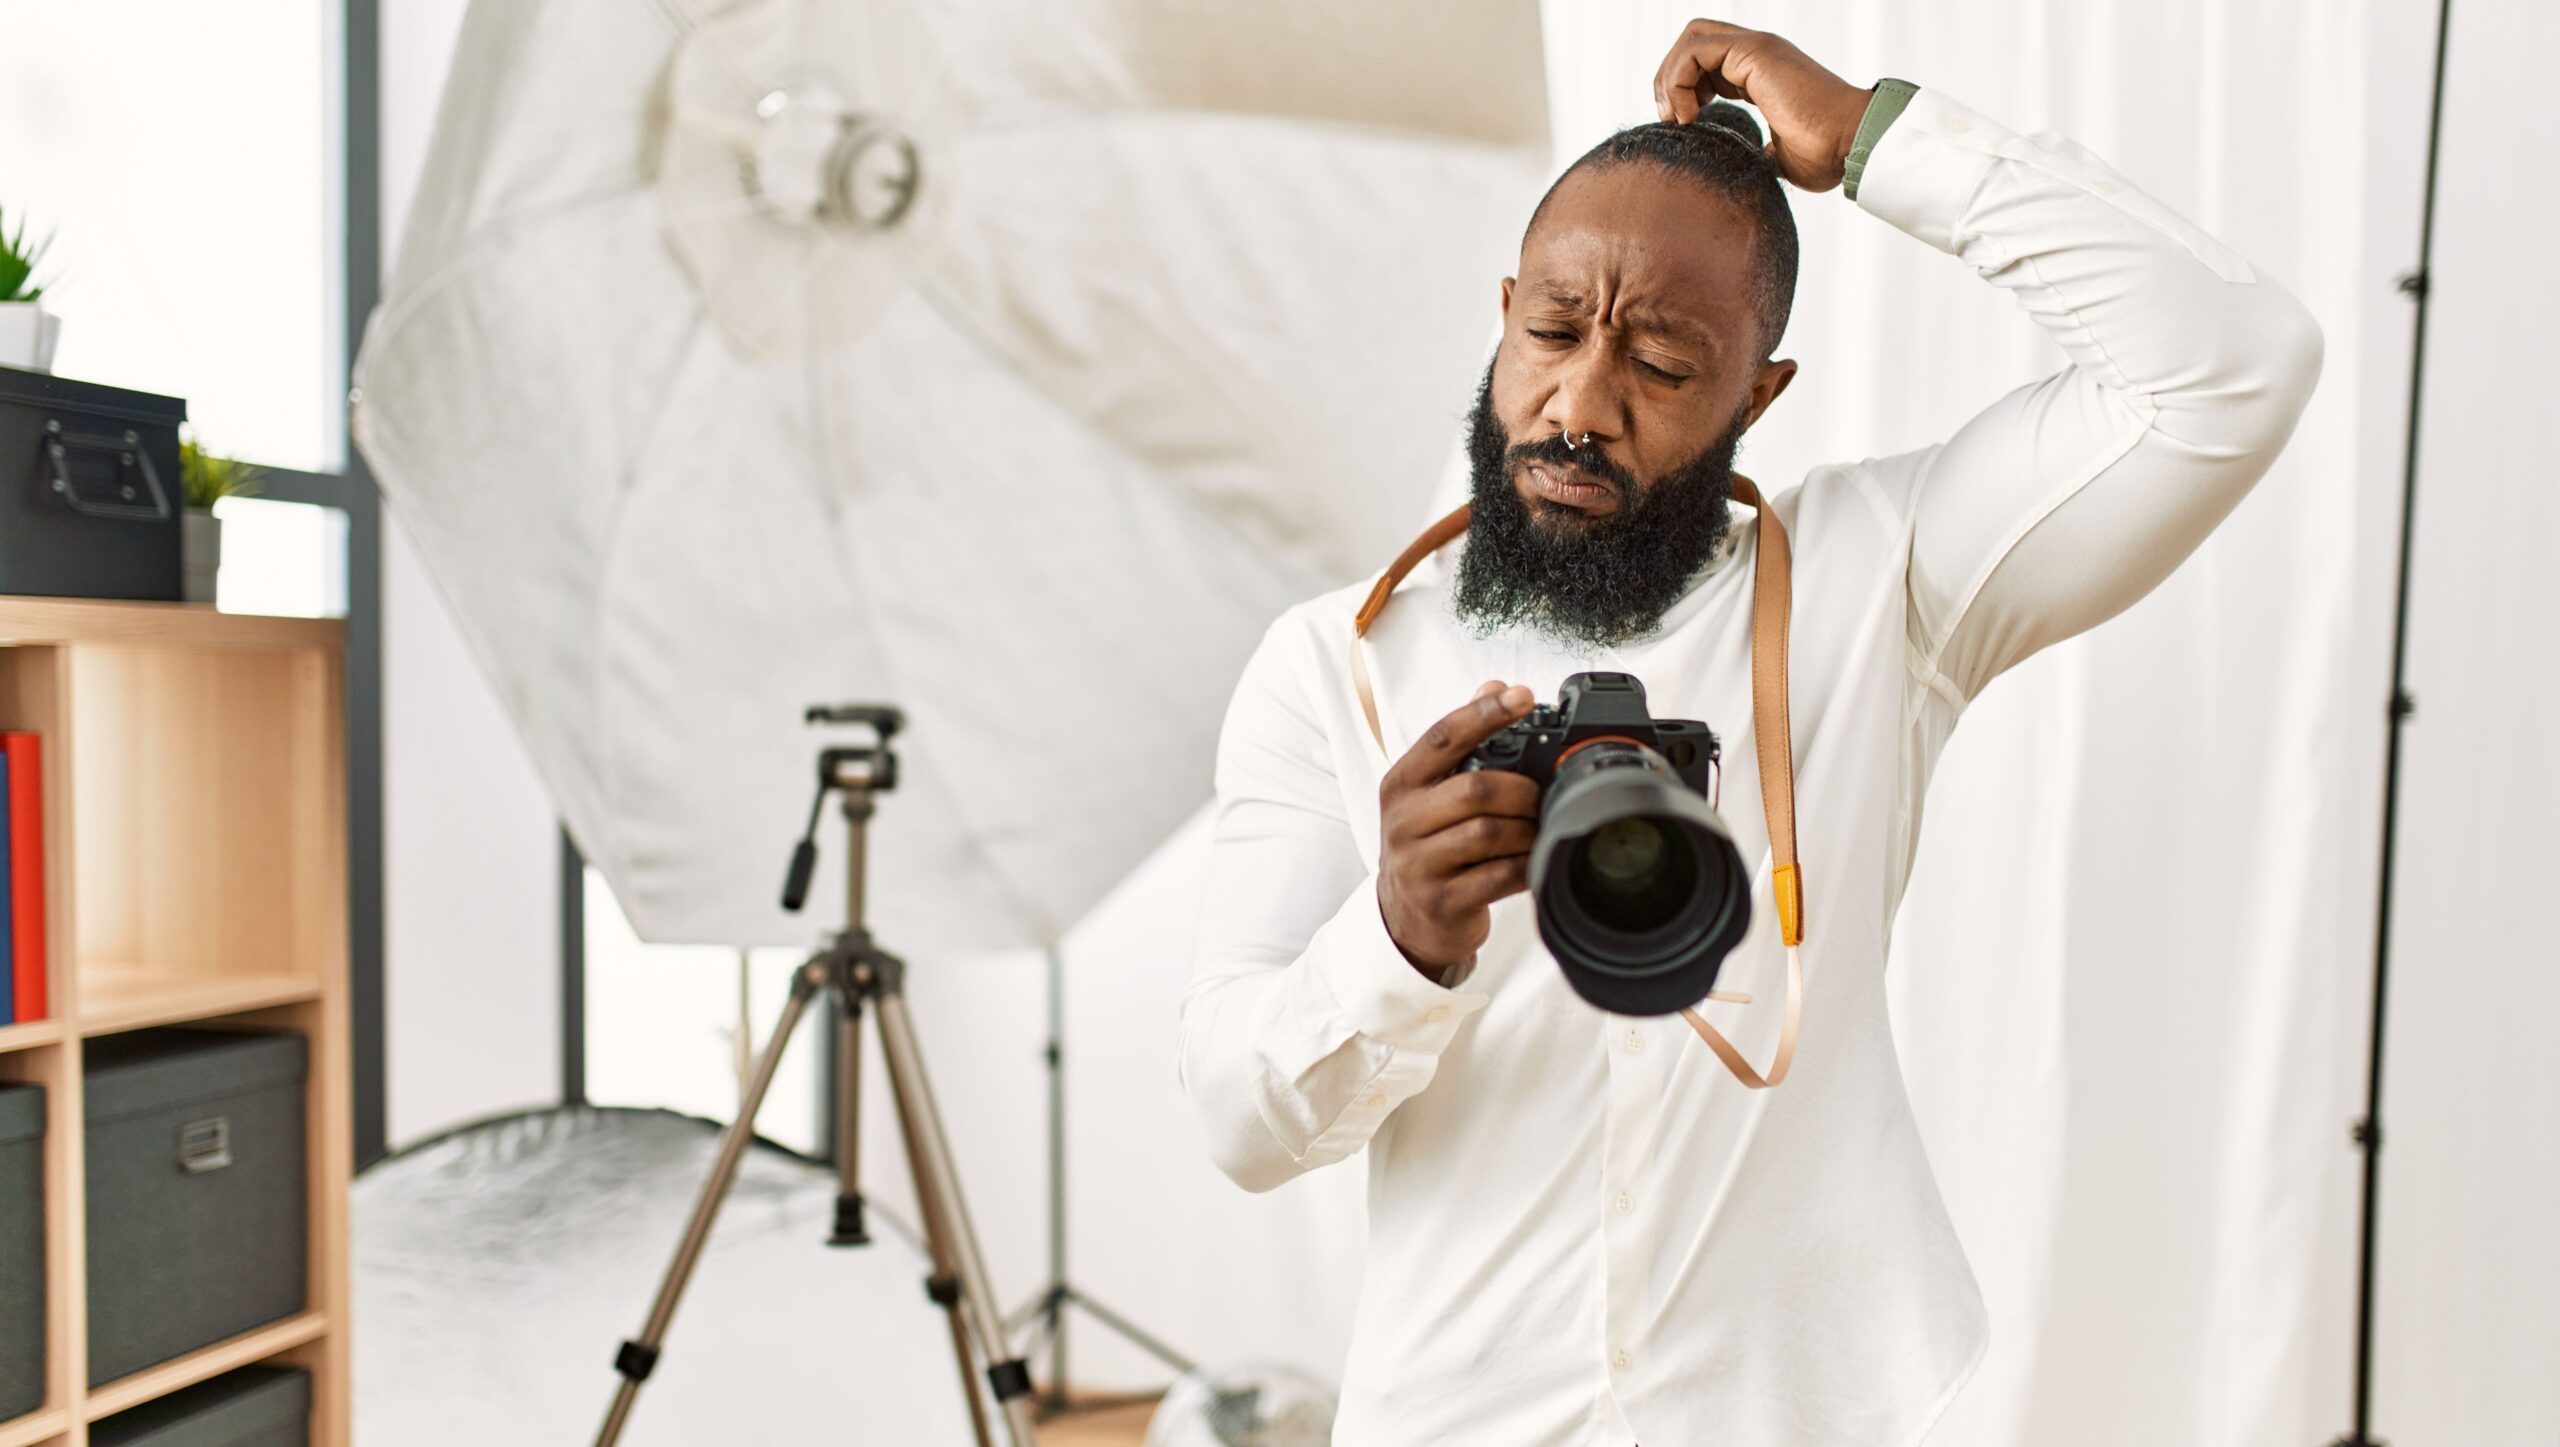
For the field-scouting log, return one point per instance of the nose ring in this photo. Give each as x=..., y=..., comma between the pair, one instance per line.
x=1569, y=442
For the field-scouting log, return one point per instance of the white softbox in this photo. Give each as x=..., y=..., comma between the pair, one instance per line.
x=1013, y=363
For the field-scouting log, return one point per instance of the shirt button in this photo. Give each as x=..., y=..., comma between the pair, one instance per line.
x=1626, y=1204
x=1635, y=1042
x=1622, y=1361
x=1434, y=1015
x=1957, y=124
x=1377, y=1101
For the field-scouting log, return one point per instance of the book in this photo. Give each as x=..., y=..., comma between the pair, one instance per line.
x=25, y=768
x=8, y=979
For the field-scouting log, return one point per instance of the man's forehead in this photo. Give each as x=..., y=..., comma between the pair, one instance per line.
x=1660, y=252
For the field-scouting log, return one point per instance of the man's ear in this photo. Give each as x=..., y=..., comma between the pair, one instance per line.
x=1771, y=380
x=1506, y=299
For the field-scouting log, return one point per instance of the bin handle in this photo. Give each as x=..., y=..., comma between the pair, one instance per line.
x=204, y=1145
x=139, y=493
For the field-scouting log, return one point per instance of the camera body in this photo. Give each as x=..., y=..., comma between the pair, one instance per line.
x=1594, y=706
x=1639, y=889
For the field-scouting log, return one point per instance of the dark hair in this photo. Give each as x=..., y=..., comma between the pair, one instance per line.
x=1720, y=150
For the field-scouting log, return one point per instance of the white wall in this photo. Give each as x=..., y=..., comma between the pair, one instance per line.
x=470, y=848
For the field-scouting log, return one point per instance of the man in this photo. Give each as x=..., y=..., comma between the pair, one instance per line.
x=1583, y=1228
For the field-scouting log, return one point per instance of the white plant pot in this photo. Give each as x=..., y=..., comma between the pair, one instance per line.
x=200, y=553
x=27, y=335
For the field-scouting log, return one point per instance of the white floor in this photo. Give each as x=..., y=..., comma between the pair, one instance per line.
x=497, y=1270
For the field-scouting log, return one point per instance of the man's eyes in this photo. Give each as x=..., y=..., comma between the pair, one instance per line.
x=1563, y=339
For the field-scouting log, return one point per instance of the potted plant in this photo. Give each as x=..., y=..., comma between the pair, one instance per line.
x=207, y=478
x=27, y=330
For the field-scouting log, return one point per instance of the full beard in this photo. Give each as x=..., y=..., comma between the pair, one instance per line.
x=1577, y=580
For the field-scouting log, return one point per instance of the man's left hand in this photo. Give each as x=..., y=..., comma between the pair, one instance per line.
x=1813, y=115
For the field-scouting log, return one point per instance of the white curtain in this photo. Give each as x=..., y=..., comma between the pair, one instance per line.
x=2132, y=972
x=2469, y=1324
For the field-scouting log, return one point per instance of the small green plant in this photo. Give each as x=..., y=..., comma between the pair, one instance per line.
x=208, y=478
x=18, y=262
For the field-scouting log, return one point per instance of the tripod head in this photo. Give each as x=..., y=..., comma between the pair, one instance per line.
x=858, y=771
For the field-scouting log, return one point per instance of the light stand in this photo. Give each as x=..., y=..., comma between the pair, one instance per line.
x=1048, y=1307
x=2368, y=1129
x=854, y=972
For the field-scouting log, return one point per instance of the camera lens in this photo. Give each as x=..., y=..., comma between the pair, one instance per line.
x=1632, y=875
x=1640, y=891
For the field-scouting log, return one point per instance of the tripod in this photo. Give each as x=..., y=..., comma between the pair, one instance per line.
x=858, y=977
x=1048, y=1307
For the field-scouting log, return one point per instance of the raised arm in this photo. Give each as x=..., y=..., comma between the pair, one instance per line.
x=2067, y=500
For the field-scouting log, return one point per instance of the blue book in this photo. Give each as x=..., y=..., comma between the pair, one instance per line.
x=8, y=917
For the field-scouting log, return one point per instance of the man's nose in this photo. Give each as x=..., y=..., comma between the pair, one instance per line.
x=1586, y=400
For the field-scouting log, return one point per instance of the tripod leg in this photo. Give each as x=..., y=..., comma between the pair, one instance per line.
x=930, y=1155
x=943, y=1286
x=850, y=1229
x=639, y=1356
x=1057, y=1183
x=1128, y=1331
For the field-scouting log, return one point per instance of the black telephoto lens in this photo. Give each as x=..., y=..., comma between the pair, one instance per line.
x=1639, y=889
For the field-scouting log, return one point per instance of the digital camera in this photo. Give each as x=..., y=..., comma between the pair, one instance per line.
x=1639, y=890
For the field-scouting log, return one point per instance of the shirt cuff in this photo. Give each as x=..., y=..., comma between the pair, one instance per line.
x=1924, y=171
x=1890, y=98
x=1378, y=990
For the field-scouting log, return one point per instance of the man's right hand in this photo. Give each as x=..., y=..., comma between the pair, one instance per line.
x=1452, y=843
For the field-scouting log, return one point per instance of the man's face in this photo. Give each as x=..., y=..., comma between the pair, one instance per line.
x=1634, y=320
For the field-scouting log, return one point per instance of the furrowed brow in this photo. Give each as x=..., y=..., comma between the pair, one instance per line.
x=1669, y=327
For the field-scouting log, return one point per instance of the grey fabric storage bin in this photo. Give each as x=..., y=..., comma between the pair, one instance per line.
x=22, y=1293
x=197, y=1215
x=252, y=1407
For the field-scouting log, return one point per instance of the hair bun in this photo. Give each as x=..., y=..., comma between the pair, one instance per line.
x=1725, y=115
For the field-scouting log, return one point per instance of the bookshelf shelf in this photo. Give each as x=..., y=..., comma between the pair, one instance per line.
x=112, y=1000
x=195, y=872
x=21, y=1037
x=204, y=1364
x=35, y=1427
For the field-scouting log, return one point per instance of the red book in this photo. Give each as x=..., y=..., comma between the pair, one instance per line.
x=26, y=869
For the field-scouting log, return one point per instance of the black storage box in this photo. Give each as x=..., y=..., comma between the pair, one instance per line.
x=22, y=1293
x=198, y=1215
x=90, y=505
x=252, y=1407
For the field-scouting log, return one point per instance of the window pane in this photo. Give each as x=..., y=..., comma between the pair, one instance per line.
x=281, y=557
x=184, y=156
x=666, y=1026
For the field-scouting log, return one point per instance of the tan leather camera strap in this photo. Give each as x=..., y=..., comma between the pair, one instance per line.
x=1772, y=599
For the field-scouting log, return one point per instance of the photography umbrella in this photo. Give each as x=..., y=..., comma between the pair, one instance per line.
x=1014, y=363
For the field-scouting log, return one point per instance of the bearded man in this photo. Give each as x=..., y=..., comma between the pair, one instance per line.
x=1583, y=1227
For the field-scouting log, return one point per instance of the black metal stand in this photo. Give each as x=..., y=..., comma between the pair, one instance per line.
x=2368, y=1129
x=858, y=977
x=1048, y=1307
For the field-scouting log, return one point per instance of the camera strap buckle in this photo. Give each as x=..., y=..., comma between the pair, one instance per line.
x=1772, y=600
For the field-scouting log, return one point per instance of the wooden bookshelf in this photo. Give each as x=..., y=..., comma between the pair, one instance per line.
x=195, y=854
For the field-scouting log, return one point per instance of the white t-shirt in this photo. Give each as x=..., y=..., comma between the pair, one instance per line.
x=1581, y=1229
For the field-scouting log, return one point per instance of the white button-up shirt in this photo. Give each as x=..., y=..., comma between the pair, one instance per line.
x=1582, y=1229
